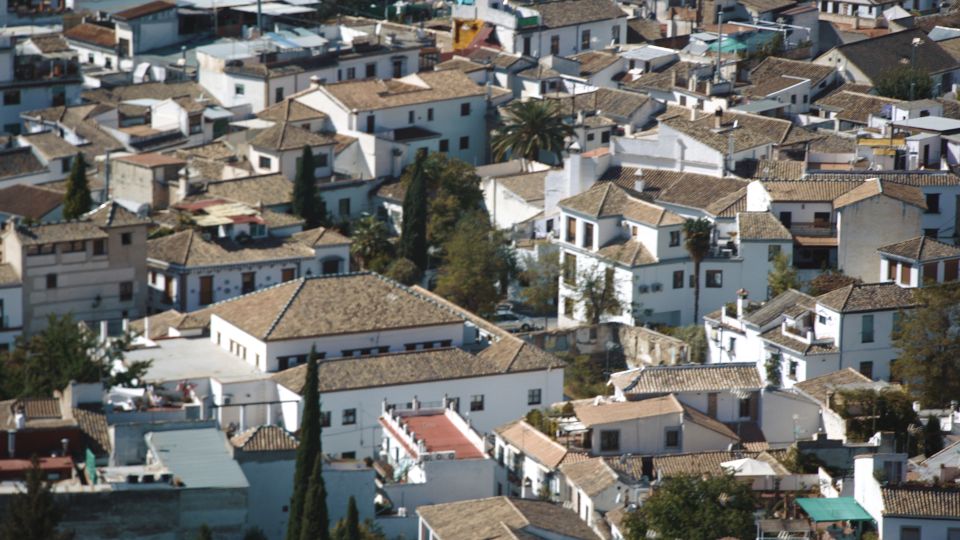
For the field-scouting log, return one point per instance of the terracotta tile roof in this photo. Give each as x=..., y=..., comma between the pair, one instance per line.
x=502, y=518
x=92, y=34
x=773, y=66
x=691, y=414
x=460, y=64
x=853, y=106
x=8, y=276
x=616, y=103
x=609, y=412
x=557, y=14
x=771, y=169
x=909, y=178
x=692, y=378
x=874, y=187
x=423, y=87
x=728, y=206
x=820, y=388
x=628, y=252
x=32, y=202
x=699, y=463
x=306, y=307
x=922, y=249
x=151, y=159
x=752, y=131
x=51, y=146
x=268, y=190
x=286, y=136
x=150, y=90
x=160, y=324
x=96, y=432
x=111, y=214
x=858, y=297
x=687, y=189
x=643, y=30
x=290, y=110
x=664, y=80
x=873, y=56
x=609, y=199
x=809, y=191
x=143, y=10
x=64, y=231
x=21, y=161
x=593, y=62
x=320, y=236
x=38, y=411
x=778, y=305
x=527, y=186
x=922, y=502
x=593, y=476
x=532, y=443
x=764, y=87
x=190, y=249
x=439, y=434
x=50, y=43
x=265, y=438
x=761, y=226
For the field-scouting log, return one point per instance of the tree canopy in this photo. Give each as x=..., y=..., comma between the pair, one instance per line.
x=697, y=235
x=928, y=338
x=77, y=200
x=307, y=202
x=541, y=277
x=472, y=266
x=370, y=244
x=413, y=234
x=895, y=82
x=529, y=128
x=452, y=190
x=33, y=514
x=783, y=277
x=595, y=289
x=308, y=507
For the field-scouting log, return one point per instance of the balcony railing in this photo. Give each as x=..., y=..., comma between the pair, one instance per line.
x=816, y=228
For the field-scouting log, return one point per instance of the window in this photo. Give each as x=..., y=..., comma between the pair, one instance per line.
x=672, y=438
x=349, y=417
x=278, y=95
x=126, y=291
x=410, y=117
x=239, y=90
x=248, y=282
x=674, y=238
x=351, y=73
x=397, y=68
x=288, y=274
x=533, y=396
x=615, y=35
x=325, y=419
x=11, y=97
x=444, y=146
x=371, y=70
x=693, y=281
x=569, y=269
x=321, y=159
x=950, y=270
x=344, y=207
x=331, y=266
x=866, y=329
x=126, y=238
x=610, y=440
x=572, y=230
x=714, y=279
x=526, y=46
x=348, y=455
x=905, y=271
x=585, y=40
x=745, y=405
x=100, y=247
x=605, y=137
x=953, y=534
x=73, y=247
x=930, y=272
x=206, y=290
x=430, y=114
x=773, y=252
x=568, y=308
x=786, y=218
x=588, y=235
x=590, y=137
x=464, y=143
x=933, y=203
x=265, y=162
x=476, y=402
x=821, y=319
x=678, y=279
x=821, y=219
x=909, y=533
x=90, y=58
x=464, y=109
x=866, y=369
x=793, y=99
x=554, y=45
x=931, y=233
x=792, y=372
x=51, y=281
x=891, y=270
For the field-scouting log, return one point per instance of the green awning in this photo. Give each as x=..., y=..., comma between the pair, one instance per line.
x=836, y=509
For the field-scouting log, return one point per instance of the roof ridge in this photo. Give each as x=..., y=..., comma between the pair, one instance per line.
x=283, y=310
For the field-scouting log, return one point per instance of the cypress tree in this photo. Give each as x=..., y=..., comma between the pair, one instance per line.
x=413, y=235
x=932, y=436
x=33, y=514
x=77, y=200
x=353, y=520
x=308, y=450
x=316, y=524
x=307, y=203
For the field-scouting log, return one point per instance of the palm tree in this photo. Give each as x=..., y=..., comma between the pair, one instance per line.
x=369, y=241
x=528, y=128
x=697, y=233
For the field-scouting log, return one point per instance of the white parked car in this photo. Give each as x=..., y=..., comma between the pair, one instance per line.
x=513, y=322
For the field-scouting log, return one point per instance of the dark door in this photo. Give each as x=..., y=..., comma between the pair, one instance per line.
x=786, y=218
x=288, y=274
x=206, y=290
x=712, y=405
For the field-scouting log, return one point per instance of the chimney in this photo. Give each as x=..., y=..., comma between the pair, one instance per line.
x=692, y=84
x=65, y=445
x=580, y=117
x=639, y=183
x=314, y=82
x=693, y=114
x=718, y=119
x=741, y=302
x=673, y=78
x=104, y=331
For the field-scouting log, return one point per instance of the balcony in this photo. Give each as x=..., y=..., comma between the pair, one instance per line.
x=815, y=228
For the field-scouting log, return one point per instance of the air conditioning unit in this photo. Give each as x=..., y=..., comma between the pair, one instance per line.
x=656, y=287
x=643, y=289
x=402, y=511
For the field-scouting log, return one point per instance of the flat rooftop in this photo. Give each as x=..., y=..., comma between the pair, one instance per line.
x=440, y=435
x=190, y=358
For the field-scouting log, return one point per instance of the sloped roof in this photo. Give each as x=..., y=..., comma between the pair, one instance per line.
x=689, y=189
x=189, y=248
x=151, y=159
x=32, y=202
x=422, y=87
x=593, y=62
x=809, y=191
x=779, y=305
x=268, y=189
x=609, y=412
x=527, y=186
x=773, y=66
x=627, y=251
x=502, y=518
x=290, y=110
x=286, y=136
x=853, y=106
x=922, y=249
x=751, y=130
x=50, y=145
x=143, y=10
x=909, y=178
x=692, y=378
x=761, y=226
x=532, y=443
x=320, y=236
x=875, y=187
x=593, y=476
x=699, y=463
x=557, y=14
x=265, y=438
x=858, y=297
x=691, y=414
x=873, y=56
x=820, y=388
x=923, y=502
x=612, y=102
x=112, y=214
x=610, y=199
x=93, y=34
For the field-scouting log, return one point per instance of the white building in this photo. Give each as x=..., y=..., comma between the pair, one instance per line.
x=34, y=81
x=528, y=460
x=498, y=517
x=596, y=486
x=919, y=262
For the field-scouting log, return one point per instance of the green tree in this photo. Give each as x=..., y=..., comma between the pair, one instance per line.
x=204, y=533
x=932, y=436
x=896, y=82
x=866, y=411
x=830, y=280
x=697, y=235
x=309, y=454
x=774, y=370
x=469, y=274
x=453, y=189
x=686, y=507
x=65, y=351
x=529, y=128
x=370, y=243
x=33, y=514
x=541, y=280
x=315, y=521
x=404, y=271
x=348, y=528
x=77, y=200
x=783, y=277
x=254, y=533
x=307, y=202
x=929, y=345
x=696, y=339
x=413, y=234
x=596, y=290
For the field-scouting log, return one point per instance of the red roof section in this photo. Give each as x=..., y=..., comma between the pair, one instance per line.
x=46, y=464
x=439, y=435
